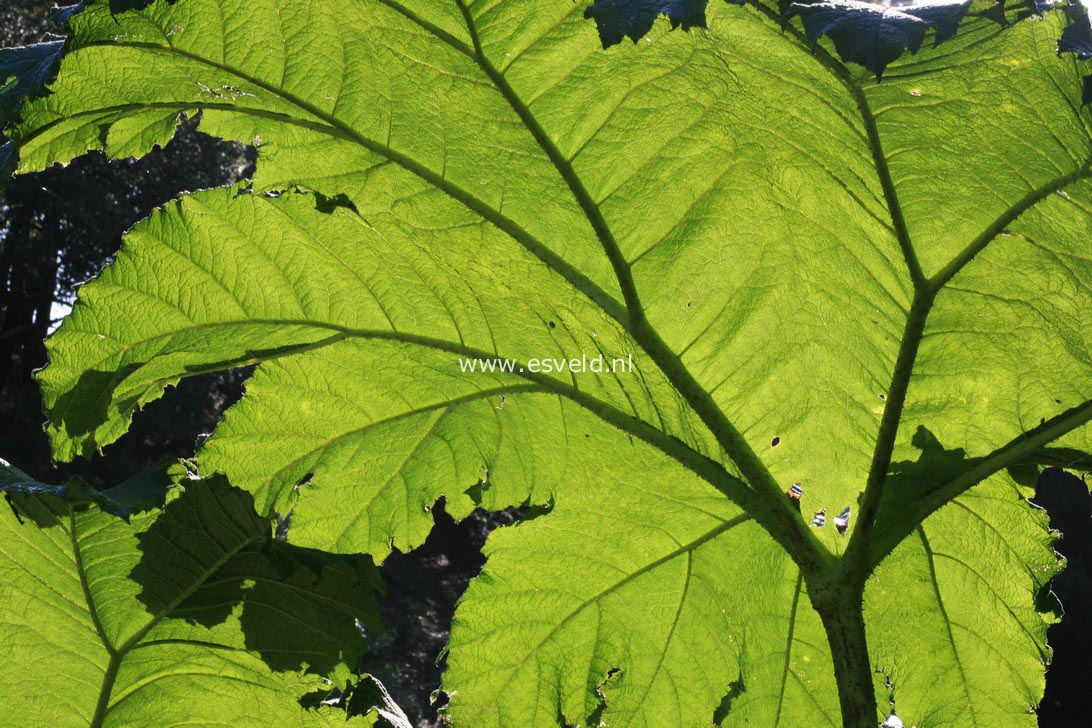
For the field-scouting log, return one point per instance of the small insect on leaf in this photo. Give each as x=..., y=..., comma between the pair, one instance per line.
x=892, y=721
x=841, y=521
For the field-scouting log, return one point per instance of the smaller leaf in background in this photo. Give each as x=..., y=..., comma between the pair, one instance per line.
x=617, y=19
x=863, y=33
x=13, y=480
x=141, y=492
x=145, y=490
x=61, y=15
x=7, y=163
x=24, y=72
x=874, y=36
x=1077, y=36
x=369, y=695
x=191, y=613
x=1077, y=39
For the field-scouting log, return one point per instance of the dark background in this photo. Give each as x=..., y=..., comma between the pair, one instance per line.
x=59, y=227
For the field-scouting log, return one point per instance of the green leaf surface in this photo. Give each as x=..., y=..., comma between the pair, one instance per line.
x=878, y=290
x=189, y=615
x=971, y=583
x=645, y=610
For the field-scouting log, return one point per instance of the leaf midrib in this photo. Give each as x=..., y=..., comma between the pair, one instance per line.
x=701, y=465
x=736, y=447
x=794, y=535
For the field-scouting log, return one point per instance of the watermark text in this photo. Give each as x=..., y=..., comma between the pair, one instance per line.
x=598, y=364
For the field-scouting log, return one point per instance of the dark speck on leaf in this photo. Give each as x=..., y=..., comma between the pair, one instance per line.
x=775, y=442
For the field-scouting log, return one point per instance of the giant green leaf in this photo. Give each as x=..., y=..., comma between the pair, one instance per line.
x=188, y=615
x=877, y=289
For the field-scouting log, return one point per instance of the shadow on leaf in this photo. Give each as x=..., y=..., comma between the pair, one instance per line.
x=209, y=560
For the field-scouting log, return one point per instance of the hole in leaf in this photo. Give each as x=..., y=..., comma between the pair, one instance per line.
x=735, y=689
x=775, y=442
x=596, y=717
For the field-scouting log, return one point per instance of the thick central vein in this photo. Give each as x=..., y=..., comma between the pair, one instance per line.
x=790, y=530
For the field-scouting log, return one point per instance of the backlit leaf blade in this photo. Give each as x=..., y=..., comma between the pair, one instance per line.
x=576, y=619
x=383, y=361
x=971, y=584
x=714, y=304
x=953, y=618
x=768, y=230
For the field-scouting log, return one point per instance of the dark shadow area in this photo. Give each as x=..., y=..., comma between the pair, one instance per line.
x=735, y=689
x=422, y=589
x=910, y=479
x=58, y=228
x=910, y=482
x=1066, y=499
x=298, y=609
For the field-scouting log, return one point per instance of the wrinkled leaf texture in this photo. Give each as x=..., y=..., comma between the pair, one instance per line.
x=802, y=261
